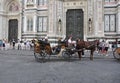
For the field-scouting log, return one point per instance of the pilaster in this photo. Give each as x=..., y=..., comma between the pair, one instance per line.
x=118, y=24
x=25, y=24
x=59, y=19
x=51, y=16
x=90, y=11
x=34, y=23
x=98, y=18
x=1, y=27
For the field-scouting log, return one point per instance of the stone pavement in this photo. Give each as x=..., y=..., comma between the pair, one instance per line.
x=19, y=66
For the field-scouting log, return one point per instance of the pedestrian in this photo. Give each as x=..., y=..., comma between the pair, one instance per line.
x=28, y=45
x=103, y=47
x=100, y=47
x=106, y=48
x=70, y=41
x=13, y=42
x=113, y=46
x=3, y=44
x=19, y=45
x=25, y=42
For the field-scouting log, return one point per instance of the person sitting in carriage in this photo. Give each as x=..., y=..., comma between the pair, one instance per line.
x=57, y=48
x=46, y=40
x=71, y=43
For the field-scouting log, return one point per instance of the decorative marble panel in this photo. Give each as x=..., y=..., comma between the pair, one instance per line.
x=107, y=23
x=40, y=24
x=112, y=23
x=45, y=24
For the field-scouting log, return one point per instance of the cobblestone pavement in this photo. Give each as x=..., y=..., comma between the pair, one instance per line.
x=19, y=66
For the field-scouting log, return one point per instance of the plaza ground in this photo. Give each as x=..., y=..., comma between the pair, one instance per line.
x=19, y=66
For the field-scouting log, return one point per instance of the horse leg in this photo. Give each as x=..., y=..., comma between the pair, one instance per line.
x=91, y=55
x=79, y=54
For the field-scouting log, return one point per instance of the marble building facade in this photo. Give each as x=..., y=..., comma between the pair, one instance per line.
x=28, y=19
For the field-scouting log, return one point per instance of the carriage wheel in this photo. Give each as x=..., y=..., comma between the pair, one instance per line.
x=40, y=57
x=66, y=55
x=37, y=56
x=116, y=53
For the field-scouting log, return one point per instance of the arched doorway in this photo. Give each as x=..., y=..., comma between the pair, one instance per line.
x=74, y=23
x=13, y=30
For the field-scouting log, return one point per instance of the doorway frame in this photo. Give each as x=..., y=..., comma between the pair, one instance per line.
x=80, y=28
x=85, y=25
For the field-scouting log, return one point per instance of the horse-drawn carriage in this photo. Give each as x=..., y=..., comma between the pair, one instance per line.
x=43, y=50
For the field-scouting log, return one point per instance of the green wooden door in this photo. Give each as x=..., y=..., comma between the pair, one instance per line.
x=74, y=23
x=13, y=30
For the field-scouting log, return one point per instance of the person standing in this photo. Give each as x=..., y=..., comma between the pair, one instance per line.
x=19, y=45
x=3, y=44
x=70, y=42
x=13, y=42
x=101, y=47
x=106, y=48
x=113, y=46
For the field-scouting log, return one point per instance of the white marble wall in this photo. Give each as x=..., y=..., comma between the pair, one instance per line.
x=98, y=18
x=51, y=16
x=90, y=16
x=57, y=10
x=113, y=9
x=77, y=4
x=0, y=27
x=118, y=23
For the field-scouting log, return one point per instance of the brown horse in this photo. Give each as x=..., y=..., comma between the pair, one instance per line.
x=88, y=45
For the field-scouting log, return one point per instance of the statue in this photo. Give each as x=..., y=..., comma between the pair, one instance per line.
x=90, y=24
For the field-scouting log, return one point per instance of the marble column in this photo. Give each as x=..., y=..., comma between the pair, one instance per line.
x=90, y=27
x=1, y=27
x=34, y=23
x=51, y=16
x=25, y=24
x=118, y=23
x=98, y=18
x=59, y=10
